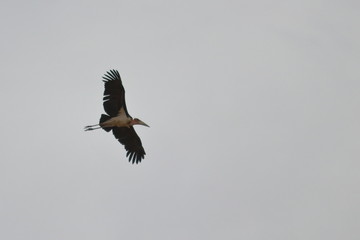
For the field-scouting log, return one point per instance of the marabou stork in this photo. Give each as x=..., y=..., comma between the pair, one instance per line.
x=118, y=119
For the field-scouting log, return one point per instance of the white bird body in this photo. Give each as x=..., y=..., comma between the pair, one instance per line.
x=121, y=120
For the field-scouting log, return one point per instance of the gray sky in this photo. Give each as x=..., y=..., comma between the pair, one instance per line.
x=253, y=108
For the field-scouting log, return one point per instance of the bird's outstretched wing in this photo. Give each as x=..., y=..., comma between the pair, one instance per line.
x=132, y=143
x=114, y=94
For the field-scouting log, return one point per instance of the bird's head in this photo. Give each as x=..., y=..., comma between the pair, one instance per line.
x=137, y=121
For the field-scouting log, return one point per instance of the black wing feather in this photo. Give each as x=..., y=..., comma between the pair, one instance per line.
x=114, y=94
x=131, y=141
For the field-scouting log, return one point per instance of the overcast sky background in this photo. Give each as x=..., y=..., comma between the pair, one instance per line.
x=253, y=108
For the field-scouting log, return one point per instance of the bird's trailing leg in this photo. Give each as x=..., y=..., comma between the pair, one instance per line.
x=92, y=127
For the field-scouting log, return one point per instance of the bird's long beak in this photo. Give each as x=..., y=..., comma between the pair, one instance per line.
x=142, y=123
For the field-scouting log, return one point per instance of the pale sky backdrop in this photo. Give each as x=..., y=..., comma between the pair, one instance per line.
x=253, y=108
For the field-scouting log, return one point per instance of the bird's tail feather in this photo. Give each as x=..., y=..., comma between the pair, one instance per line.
x=104, y=118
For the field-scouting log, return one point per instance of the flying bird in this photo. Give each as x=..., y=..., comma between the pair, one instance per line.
x=118, y=119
